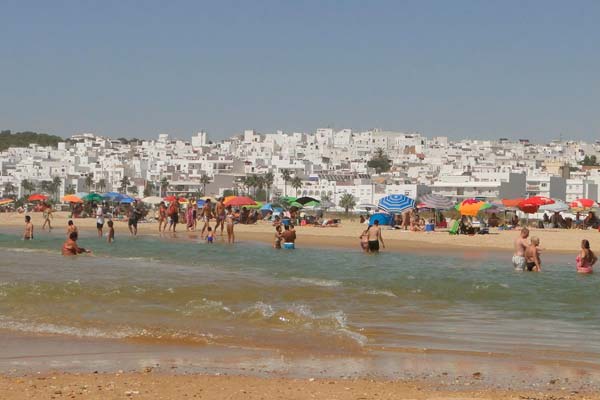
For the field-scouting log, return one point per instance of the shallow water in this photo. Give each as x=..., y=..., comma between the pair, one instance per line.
x=322, y=300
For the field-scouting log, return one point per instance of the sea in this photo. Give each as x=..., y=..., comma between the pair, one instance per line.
x=329, y=302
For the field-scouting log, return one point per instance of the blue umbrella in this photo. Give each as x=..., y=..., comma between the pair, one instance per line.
x=125, y=199
x=395, y=203
x=111, y=195
x=267, y=207
x=200, y=202
x=384, y=219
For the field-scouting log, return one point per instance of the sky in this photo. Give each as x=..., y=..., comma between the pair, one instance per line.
x=463, y=69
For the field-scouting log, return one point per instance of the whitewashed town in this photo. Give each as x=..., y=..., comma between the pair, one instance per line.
x=325, y=165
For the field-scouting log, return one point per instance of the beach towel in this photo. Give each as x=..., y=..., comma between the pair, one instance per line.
x=454, y=229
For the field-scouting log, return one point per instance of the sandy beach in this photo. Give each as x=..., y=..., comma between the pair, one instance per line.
x=346, y=235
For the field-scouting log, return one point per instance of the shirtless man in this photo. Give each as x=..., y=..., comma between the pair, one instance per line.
x=70, y=247
x=374, y=236
x=71, y=227
x=220, y=213
x=28, y=235
x=206, y=215
x=289, y=237
x=521, y=244
x=532, y=256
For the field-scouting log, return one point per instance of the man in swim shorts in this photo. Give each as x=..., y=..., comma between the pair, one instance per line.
x=289, y=237
x=220, y=213
x=28, y=235
x=374, y=236
x=521, y=244
x=206, y=215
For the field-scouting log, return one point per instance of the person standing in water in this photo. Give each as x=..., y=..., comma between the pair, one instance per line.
x=532, y=256
x=221, y=214
x=278, y=237
x=586, y=258
x=521, y=244
x=71, y=227
x=364, y=239
x=230, y=223
x=209, y=235
x=47, y=217
x=374, y=237
x=28, y=235
x=289, y=237
x=111, y=231
x=134, y=216
x=206, y=215
x=99, y=219
x=173, y=214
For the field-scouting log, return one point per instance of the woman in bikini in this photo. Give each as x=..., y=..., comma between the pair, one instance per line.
x=229, y=217
x=586, y=258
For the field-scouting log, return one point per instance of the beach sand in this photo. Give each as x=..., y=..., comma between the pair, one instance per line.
x=346, y=235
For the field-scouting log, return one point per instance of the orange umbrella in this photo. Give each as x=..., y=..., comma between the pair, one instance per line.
x=71, y=198
x=471, y=208
x=239, y=201
x=37, y=197
x=511, y=202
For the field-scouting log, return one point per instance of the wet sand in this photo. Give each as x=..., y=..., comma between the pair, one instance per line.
x=346, y=235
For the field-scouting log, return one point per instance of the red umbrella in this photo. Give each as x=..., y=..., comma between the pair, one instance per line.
x=240, y=201
x=37, y=197
x=170, y=198
x=532, y=204
x=582, y=203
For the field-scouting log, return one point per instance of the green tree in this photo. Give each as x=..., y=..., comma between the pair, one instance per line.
x=24, y=139
x=55, y=186
x=89, y=181
x=102, y=185
x=204, y=180
x=250, y=184
x=164, y=185
x=589, y=161
x=287, y=176
x=347, y=202
x=268, y=181
x=70, y=189
x=125, y=184
x=27, y=186
x=259, y=186
x=379, y=161
x=296, y=184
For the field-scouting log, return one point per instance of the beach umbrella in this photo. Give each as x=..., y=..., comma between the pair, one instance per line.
x=382, y=218
x=240, y=201
x=583, y=204
x=536, y=201
x=258, y=205
x=37, y=197
x=183, y=200
x=170, y=199
x=396, y=203
x=512, y=203
x=4, y=202
x=93, y=197
x=152, y=200
x=111, y=196
x=558, y=206
x=71, y=198
x=200, y=202
x=436, y=202
x=470, y=208
x=205, y=198
x=125, y=199
x=306, y=200
x=267, y=207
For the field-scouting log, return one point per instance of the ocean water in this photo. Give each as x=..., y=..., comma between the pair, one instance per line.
x=325, y=301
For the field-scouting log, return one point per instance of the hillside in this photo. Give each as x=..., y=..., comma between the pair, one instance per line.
x=23, y=139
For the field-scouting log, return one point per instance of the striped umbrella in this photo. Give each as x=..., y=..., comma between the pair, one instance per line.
x=583, y=204
x=436, y=201
x=396, y=203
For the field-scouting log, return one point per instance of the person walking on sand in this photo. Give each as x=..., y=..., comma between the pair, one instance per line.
x=220, y=212
x=47, y=217
x=364, y=239
x=374, y=237
x=162, y=217
x=520, y=244
x=586, y=258
x=230, y=223
x=71, y=227
x=70, y=247
x=28, y=234
x=532, y=256
x=99, y=219
x=206, y=215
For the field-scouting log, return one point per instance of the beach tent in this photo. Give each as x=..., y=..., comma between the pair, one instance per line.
x=396, y=203
x=382, y=218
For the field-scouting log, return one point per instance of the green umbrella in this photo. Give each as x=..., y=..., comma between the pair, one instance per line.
x=92, y=197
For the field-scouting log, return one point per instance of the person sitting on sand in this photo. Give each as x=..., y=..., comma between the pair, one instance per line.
x=532, y=256
x=520, y=244
x=586, y=258
x=70, y=247
x=28, y=235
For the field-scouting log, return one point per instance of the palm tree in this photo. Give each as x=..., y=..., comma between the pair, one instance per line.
x=325, y=198
x=89, y=181
x=9, y=189
x=268, y=180
x=286, y=175
x=204, y=180
x=347, y=202
x=149, y=188
x=296, y=183
x=27, y=186
x=102, y=185
x=164, y=185
x=55, y=186
x=259, y=184
x=124, y=184
x=70, y=189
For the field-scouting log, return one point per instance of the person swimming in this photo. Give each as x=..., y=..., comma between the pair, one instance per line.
x=586, y=258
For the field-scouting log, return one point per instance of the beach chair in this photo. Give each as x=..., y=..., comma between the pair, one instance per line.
x=454, y=229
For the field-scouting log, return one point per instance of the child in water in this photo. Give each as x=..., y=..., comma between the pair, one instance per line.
x=209, y=235
x=111, y=232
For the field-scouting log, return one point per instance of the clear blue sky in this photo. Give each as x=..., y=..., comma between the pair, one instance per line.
x=458, y=68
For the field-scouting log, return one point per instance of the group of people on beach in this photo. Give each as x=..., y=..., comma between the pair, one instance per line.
x=527, y=257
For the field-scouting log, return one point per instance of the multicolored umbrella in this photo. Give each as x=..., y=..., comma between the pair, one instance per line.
x=37, y=197
x=4, y=202
x=472, y=208
x=396, y=203
x=239, y=201
x=71, y=198
x=436, y=201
